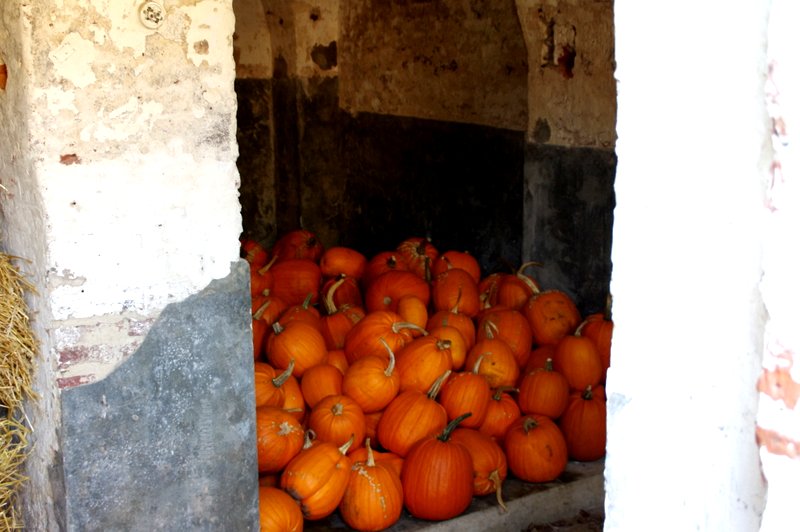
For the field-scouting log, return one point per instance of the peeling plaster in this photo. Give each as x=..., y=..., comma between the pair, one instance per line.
x=73, y=60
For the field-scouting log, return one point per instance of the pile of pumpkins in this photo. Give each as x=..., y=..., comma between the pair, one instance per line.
x=410, y=380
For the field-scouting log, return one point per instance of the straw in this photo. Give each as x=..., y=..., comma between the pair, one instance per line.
x=17, y=350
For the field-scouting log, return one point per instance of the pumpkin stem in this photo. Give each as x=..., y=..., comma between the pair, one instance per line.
x=443, y=344
x=370, y=455
x=529, y=424
x=477, y=366
x=579, y=330
x=283, y=377
x=277, y=327
x=337, y=409
x=445, y=435
x=548, y=364
x=587, y=393
x=390, y=367
x=330, y=306
x=607, y=309
x=309, y=438
x=494, y=476
x=344, y=448
x=263, y=308
x=262, y=270
x=491, y=329
x=307, y=300
x=399, y=325
x=498, y=393
x=454, y=310
x=527, y=280
x=437, y=385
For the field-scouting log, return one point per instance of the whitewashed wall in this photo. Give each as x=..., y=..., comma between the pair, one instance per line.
x=693, y=168
x=118, y=158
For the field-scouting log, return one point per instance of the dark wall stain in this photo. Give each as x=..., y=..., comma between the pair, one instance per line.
x=324, y=56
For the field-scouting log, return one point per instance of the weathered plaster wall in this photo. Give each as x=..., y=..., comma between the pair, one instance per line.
x=572, y=93
x=682, y=398
x=126, y=190
x=778, y=428
x=452, y=60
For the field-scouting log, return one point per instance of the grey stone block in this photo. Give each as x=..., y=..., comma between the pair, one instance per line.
x=167, y=441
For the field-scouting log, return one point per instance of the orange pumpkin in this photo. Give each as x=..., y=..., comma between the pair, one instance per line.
x=599, y=328
x=538, y=357
x=583, y=424
x=373, y=499
x=337, y=323
x=510, y=326
x=514, y=290
x=457, y=259
x=269, y=384
x=488, y=461
x=293, y=401
x=552, y=315
x=294, y=279
x=411, y=416
x=458, y=347
x=253, y=251
x=364, y=338
x=390, y=459
x=298, y=244
x=298, y=341
x=341, y=260
x=319, y=382
x=382, y=262
x=462, y=322
x=278, y=511
x=467, y=392
x=418, y=253
x=261, y=279
x=437, y=476
x=535, y=449
x=337, y=419
x=342, y=290
x=338, y=359
x=372, y=382
x=317, y=478
x=302, y=312
x=385, y=291
x=267, y=313
x=421, y=361
x=279, y=437
x=413, y=310
x=543, y=391
x=457, y=291
x=501, y=413
x=577, y=359
x=498, y=365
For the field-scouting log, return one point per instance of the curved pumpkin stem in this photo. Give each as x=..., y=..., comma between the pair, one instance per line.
x=263, y=308
x=308, y=438
x=498, y=393
x=445, y=435
x=437, y=385
x=344, y=448
x=307, y=300
x=491, y=329
x=454, y=310
x=399, y=325
x=277, y=328
x=477, y=366
x=262, y=270
x=527, y=280
x=494, y=476
x=330, y=306
x=390, y=367
x=529, y=424
x=283, y=377
x=587, y=394
x=370, y=455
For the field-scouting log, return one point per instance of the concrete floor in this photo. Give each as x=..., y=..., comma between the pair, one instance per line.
x=573, y=503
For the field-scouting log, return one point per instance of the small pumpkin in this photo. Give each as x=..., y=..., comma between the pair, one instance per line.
x=543, y=391
x=501, y=413
x=298, y=244
x=279, y=437
x=372, y=382
x=535, y=449
x=337, y=419
x=488, y=460
x=342, y=290
x=390, y=459
x=411, y=416
x=421, y=361
x=277, y=510
x=261, y=279
x=385, y=291
x=418, y=253
x=297, y=341
x=373, y=499
x=599, y=328
x=342, y=260
x=438, y=476
x=317, y=478
x=269, y=383
x=499, y=365
x=319, y=382
x=253, y=251
x=583, y=424
x=467, y=392
x=301, y=312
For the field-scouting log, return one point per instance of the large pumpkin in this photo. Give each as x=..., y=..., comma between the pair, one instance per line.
x=337, y=419
x=488, y=461
x=552, y=315
x=583, y=424
x=279, y=437
x=422, y=361
x=577, y=359
x=372, y=382
x=338, y=260
x=438, y=476
x=543, y=391
x=466, y=392
x=535, y=449
x=298, y=341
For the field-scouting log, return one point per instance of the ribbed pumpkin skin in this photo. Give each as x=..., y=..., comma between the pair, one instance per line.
x=334, y=327
x=437, y=479
x=422, y=361
x=278, y=511
x=279, y=437
x=373, y=499
x=267, y=393
x=535, y=449
x=319, y=382
x=419, y=254
x=338, y=260
x=512, y=327
x=466, y=392
x=552, y=315
x=577, y=359
x=372, y=382
x=385, y=291
x=294, y=279
x=458, y=346
x=298, y=341
x=411, y=416
x=365, y=337
x=317, y=478
x=583, y=424
x=498, y=364
x=337, y=419
x=543, y=391
x=488, y=460
x=501, y=413
x=455, y=289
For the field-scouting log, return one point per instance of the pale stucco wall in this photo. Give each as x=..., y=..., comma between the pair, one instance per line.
x=117, y=152
x=693, y=165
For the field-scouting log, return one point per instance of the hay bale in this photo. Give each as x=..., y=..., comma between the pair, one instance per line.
x=18, y=347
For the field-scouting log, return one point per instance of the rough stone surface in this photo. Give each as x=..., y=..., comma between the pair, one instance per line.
x=569, y=211
x=167, y=441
